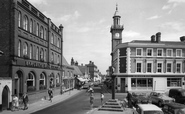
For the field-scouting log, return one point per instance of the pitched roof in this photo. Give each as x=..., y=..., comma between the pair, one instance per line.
x=77, y=70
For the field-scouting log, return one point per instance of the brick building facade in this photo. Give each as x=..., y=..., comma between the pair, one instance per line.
x=32, y=47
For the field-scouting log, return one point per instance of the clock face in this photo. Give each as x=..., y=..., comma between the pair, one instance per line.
x=117, y=35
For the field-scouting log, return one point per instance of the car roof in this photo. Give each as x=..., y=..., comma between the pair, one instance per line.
x=147, y=107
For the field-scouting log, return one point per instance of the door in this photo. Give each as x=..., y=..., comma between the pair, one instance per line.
x=5, y=98
x=122, y=85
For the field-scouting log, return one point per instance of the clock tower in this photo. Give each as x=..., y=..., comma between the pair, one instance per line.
x=116, y=29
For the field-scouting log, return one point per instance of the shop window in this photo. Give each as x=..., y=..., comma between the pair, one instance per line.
x=174, y=82
x=42, y=81
x=31, y=82
x=142, y=82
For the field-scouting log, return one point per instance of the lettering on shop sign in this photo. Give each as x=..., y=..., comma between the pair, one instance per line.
x=32, y=64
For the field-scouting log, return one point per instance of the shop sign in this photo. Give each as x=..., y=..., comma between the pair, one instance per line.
x=34, y=64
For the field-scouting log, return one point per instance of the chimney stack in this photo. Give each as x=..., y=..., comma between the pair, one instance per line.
x=182, y=38
x=153, y=38
x=158, y=37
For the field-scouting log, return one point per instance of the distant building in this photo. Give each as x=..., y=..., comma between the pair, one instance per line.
x=92, y=70
x=68, y=79
x=32, y=47
x=146, y=65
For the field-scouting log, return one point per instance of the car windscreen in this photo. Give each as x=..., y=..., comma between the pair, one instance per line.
x=153, y=112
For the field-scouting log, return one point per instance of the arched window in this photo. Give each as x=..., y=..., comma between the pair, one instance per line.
x=52, y=38
x=58, y=43
x=45, y=55
x=31, y=80
x=19, y=48
x=37, y=29
x=45, y=34
x=31, y=26
x=41, y=32
x=42, y=54
x=25, y=23
x=19, y=19
x=25, y=49
x=31, y=51
x=42, y=81
x=58, y=58
x=37, y=54
x=52, y=57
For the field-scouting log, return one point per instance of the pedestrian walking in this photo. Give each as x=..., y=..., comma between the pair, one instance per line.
x=50, y=93
x=25, y=101
x=15, y=103
x=91, y=100
x=129, y=99
x=102, y=97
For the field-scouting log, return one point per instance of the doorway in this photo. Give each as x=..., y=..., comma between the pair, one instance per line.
x=122, y=85
x=5, y=98
x=18, y=90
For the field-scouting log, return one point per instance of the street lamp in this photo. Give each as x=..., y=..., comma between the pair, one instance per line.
x=111, y=70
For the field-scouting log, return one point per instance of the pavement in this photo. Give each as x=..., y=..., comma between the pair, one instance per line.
x=41, y=104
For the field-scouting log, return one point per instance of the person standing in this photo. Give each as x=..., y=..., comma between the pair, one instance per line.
x=102, y=97
x=16, y=100
x=91, y=100
x=25, y=101
x=50, y=93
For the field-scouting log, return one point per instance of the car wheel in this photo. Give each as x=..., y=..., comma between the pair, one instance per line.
x=160, y=104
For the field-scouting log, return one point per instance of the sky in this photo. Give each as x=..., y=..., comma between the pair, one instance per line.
x=87, y=24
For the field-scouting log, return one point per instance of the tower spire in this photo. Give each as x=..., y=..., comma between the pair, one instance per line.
x=116, y=12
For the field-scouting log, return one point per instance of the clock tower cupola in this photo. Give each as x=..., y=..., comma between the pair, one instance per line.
x=116, y=29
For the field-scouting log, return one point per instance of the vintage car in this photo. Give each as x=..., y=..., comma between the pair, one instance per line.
x=173, y=108
x=148, y=109
x=139, y=98
x=160, y=98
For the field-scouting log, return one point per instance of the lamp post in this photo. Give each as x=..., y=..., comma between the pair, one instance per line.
x=111, y=69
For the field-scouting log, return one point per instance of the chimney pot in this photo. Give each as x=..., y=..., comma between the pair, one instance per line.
x=158, y=37
x=153, y=38
x=182, y=38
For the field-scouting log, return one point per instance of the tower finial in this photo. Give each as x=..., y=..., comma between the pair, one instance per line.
x=116, y=7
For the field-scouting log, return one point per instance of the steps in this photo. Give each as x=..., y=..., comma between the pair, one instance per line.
x=111, y=105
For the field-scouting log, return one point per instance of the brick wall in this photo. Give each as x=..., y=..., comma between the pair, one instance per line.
x=6, y=23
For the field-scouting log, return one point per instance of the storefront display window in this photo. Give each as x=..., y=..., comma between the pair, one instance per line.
x=174, y=82
x=139, y=83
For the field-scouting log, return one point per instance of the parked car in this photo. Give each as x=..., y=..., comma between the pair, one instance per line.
x=160, y=98
x=178, y=95
x=148, y=109
x=139, y=98
x=173, y=108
